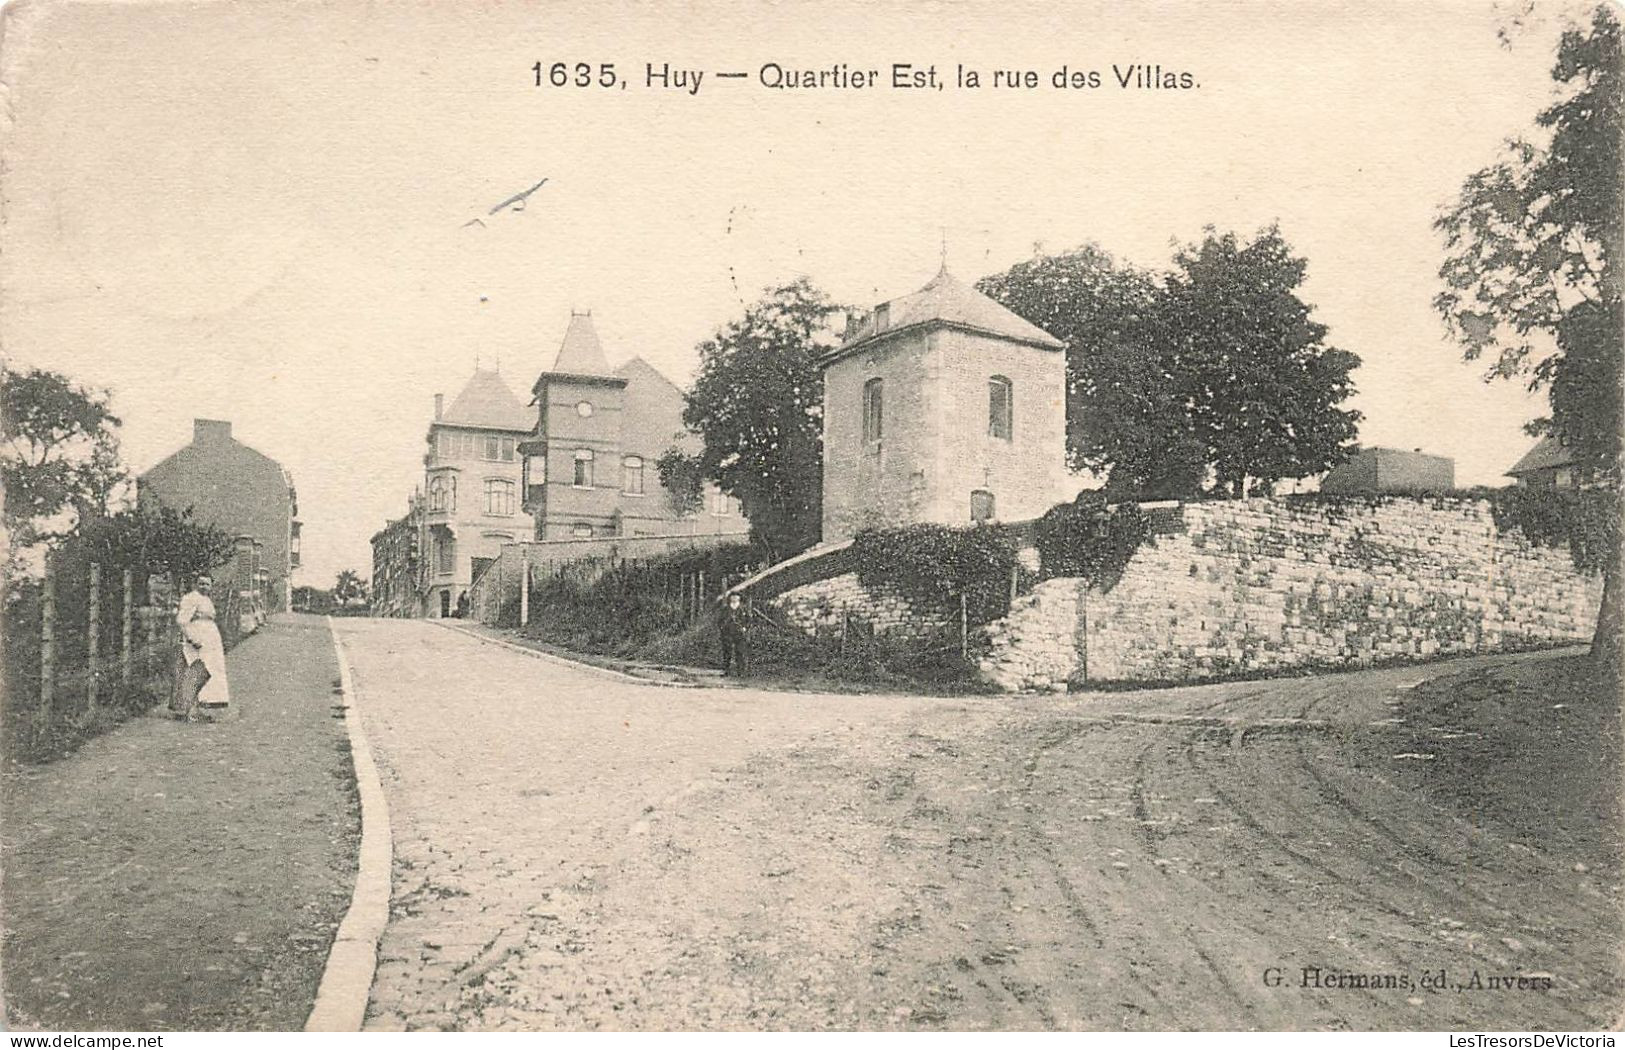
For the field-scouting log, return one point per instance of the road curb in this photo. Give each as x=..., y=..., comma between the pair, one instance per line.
x=564, y=661
x=341, y=999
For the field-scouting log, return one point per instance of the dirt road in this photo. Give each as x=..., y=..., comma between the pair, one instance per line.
x=1420, y=848
x=174, y=876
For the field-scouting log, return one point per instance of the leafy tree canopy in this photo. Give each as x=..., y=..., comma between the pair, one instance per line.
x=349, y=587
x=61, y=448
x=1531, y=273
x=1214, y=371
x=758, y=406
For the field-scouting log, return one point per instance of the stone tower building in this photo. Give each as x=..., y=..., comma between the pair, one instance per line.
x=942, y=406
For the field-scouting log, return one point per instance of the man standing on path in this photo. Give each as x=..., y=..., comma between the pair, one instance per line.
x=735, y=640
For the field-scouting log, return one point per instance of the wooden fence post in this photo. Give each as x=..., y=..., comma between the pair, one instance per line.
x=524, y=595
x=152, y=642
x=1015, y=577
x=964, y=627
x=93, y=640
x=47, y=651
x=125, y=625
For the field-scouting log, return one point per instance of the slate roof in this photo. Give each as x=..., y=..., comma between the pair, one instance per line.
x=581, y=353
x=1548, y=453
x=946, y=300
x=486, y=401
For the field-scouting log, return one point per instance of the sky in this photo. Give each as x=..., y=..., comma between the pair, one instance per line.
x=262, y=212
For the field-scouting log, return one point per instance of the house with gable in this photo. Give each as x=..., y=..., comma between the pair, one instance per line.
x=590, y=460
x=471, y=489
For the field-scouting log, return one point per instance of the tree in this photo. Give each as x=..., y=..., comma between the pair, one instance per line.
x=681, y=478
x=61, y=448
x=1124, y=416
x=160, y=539
x=349, y=587
x=758, y=407
x=1261, y=385
x=1531, y=271
x=1214, y=370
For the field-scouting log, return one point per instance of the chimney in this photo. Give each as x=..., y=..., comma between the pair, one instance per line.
x=210, y=431
x=439, y=404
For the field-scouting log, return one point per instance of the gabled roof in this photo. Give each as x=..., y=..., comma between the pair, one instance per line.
x=948, y=301
x=581, y=353
x=1549, y=452
x=486, y=401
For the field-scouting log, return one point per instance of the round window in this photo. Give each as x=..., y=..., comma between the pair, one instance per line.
x=583, y=409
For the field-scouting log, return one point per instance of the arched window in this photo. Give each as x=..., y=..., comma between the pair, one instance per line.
x=874, y=395
x=1001, y=409
x=632, y=475
x=981, y=505
x=583, y=478
x=498, y=497
x=443, y=492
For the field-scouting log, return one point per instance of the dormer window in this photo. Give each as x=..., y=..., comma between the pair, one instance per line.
x=1001, y=418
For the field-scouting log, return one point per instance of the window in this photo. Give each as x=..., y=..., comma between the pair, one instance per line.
x=1000, y=409
x=981, y=505
x=722, y=504
x=498, y=449
x=498, y=497
x=581, y=530
x=583, y=479
x=584, y=409
x=632, y=475
x=445, y=556
x=458, y=445
x=873, y=395
x=443, y=492
x=534, y=470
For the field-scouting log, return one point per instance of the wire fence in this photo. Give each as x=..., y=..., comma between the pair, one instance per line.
x=87, y=645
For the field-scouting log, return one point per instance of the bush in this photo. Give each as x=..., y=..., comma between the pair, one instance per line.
x=1088, y=539
x=628, y=605
x=934, y=565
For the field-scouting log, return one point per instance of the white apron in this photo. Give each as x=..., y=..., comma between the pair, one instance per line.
x=200, y=640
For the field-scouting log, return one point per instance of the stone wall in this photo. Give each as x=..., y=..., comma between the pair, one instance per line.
x=1258, y=586
x=1039, y=645
x=826, y=605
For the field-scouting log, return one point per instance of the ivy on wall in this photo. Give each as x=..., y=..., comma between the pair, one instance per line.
x=936, y=564
x=1088, y=539
x=1585, y=520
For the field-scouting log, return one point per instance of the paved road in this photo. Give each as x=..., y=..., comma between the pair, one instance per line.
x=577, y=852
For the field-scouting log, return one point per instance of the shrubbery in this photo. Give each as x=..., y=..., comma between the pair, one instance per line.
x=934, y=565
x=629, y=605
x=1086, y=538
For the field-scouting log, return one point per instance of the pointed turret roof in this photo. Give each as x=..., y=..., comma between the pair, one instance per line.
x=946, y=300
x=486, y=401
x=581, y=353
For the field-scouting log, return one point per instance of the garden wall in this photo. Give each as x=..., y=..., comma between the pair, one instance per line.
x=1261, y=586
x=836, y=603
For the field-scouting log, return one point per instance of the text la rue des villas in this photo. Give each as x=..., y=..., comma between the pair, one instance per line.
x=841, y=77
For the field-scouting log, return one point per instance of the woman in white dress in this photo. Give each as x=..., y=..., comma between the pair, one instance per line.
x=200, y=641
